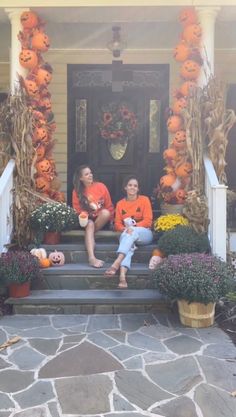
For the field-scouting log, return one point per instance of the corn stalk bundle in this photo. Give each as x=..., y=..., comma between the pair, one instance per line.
x=217, y=122
x=194, y=139
x=196, y=211
x=5, y=143
x=16, y=122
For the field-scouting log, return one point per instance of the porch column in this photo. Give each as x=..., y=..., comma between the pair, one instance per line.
x=15, y=67
x=207, y=18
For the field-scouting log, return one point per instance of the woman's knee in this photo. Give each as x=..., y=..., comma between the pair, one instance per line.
x=105, y=214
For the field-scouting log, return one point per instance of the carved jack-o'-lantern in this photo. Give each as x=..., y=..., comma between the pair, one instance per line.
x=188, y=16
x=180, y=196
x=167, y=181
x=57, y=258
x=179, y=105
x=174, y=123
x=43, y=77
x=40, y=41
x=179, y=140
x=192, y=34
x=28, y=59
x=186, y=87
x=42, y=184
x=31, y=88
x=190, y=70
x=181, y=52
x=40, y=135
x=170, y=155
x=29, y=20
x=184, y=170
x=44, y=167
x=40, y=151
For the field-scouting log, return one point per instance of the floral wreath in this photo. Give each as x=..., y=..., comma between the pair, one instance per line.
x=117, y=122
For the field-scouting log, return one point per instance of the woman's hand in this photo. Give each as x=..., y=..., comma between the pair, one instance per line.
x=129, y=230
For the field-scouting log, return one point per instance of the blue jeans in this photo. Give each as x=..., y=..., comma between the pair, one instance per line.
x=128, y=242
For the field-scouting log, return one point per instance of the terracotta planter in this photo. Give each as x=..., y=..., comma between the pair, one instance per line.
x=17, y=290
x=196, y=314
x=52, y=238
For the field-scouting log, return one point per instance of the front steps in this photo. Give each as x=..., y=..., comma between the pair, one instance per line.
x=77, y=288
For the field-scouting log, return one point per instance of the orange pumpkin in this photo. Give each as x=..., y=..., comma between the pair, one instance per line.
x=44, y=168
x=40, y=151
x=180, y=196
x=40, y=134
x=170, y=155
x=167, y=181
x=40, y=41
x=190, y=70
x=43, y=77
x=157, y=252
x=184, y=170
x=28, y=59
x=29, y=20
x=192, y=34
x=188, y=16
x=181, y=52
x=31, y=88
x=186, y=87
x=179, y=141
x=42, y=184
x=45, y=263
x=179, y=105
x=174, y=123
x=57, y=258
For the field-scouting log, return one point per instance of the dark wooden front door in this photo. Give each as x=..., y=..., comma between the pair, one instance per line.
x=89, y=95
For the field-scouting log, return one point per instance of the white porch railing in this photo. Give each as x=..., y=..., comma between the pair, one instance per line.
x=216, y=196
x=6, y=221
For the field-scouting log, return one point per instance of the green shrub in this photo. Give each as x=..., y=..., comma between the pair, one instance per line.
x=183, y=239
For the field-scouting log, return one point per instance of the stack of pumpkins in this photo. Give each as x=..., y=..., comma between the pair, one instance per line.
x=174, y=185
x=34, y=42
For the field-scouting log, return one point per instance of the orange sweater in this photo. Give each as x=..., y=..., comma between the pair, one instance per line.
x=96, y=193
x=140, y=210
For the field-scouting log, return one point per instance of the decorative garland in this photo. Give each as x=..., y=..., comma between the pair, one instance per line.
x=175, y=184
x=34, y=42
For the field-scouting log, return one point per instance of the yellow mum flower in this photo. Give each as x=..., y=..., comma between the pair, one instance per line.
x=169, y=221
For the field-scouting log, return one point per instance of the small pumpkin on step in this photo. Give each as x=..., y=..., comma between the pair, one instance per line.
x=57, y=258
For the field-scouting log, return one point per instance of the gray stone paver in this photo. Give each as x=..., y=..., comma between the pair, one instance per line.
x=126, y=365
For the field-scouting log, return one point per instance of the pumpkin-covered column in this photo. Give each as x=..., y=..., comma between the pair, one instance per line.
x=207, y=17
x=14, y=16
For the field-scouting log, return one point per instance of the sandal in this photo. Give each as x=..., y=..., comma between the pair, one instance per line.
x=111, y=271
x=122, y=285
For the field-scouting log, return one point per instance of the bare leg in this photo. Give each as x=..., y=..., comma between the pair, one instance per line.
x=90, y=231
x=123, y=282
x=111, y=271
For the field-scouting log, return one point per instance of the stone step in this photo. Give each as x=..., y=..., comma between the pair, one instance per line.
x=78, y=236
x=89, y=302
x=76, y=252
x=74, y=276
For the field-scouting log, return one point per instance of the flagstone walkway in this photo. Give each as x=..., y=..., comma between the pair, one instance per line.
x=127, y=365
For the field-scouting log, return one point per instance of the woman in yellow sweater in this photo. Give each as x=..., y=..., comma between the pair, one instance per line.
x=134, y=219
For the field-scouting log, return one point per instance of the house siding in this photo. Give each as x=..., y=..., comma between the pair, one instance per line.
x=224, y=64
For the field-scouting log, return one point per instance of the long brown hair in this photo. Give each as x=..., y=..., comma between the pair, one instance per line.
x=79, y=187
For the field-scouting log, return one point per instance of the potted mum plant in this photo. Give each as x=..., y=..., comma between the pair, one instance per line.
x=50, y=219
x=197, y=281
x=17, y=270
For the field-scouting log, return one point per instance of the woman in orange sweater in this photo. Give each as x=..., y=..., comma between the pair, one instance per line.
x=94, y=198
x=134, y=219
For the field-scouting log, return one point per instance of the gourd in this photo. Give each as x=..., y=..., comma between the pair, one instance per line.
x=40, y=253
x=45, y=263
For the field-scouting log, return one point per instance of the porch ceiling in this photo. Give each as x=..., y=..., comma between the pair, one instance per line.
x=142, y=27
